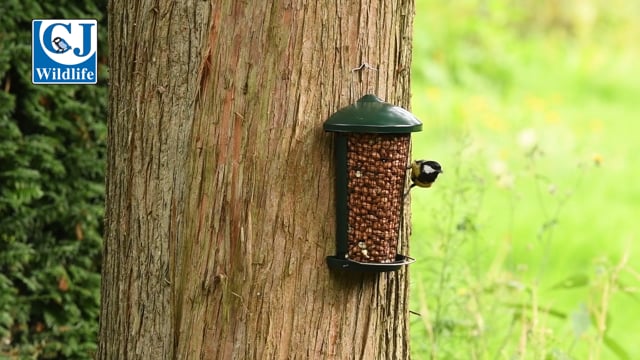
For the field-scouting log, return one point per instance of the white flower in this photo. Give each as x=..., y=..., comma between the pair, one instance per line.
x=498, y=168
x=528, y=139
x=504, y=178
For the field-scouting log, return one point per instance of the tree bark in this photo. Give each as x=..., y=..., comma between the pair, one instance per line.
x=220, y=205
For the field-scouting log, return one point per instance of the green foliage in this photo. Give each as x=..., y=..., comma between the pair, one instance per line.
x=52, y=146
x=525, y=243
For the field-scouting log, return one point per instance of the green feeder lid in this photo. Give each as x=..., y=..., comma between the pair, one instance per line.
x=372, y=115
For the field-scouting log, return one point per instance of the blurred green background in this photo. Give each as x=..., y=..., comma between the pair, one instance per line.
x=526, y=245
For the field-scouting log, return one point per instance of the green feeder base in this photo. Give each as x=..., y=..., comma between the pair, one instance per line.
x=335, y=262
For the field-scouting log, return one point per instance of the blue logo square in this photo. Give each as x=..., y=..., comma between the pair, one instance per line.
x=64, y=51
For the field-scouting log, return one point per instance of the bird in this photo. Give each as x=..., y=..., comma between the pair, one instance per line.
x=61, y=45
x=424, y=173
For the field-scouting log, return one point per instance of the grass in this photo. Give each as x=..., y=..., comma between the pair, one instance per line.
x=527, y=244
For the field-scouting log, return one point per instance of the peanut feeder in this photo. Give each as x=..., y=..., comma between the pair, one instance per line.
x=371, y=158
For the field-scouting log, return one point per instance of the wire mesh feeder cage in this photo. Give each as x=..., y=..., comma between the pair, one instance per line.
x=371, y=156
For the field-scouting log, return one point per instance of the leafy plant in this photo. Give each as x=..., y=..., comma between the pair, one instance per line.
x=52, y=145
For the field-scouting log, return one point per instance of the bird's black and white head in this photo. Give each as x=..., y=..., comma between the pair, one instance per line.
x=430, y=167
x=425, y=172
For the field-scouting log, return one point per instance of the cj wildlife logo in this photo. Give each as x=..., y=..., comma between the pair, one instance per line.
x=64, y=51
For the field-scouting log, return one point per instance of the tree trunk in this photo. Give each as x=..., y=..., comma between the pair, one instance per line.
x=220, y=205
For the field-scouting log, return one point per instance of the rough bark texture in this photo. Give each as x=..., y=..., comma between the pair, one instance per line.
x=220, y=189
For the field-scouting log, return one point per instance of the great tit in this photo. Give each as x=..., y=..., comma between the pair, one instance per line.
x=424, y=173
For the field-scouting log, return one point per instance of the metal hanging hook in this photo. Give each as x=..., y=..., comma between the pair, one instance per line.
x=363, y=66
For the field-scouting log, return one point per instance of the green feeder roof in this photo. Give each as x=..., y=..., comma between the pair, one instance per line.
x=372, y=115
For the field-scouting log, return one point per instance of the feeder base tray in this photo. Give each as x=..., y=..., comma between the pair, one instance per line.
x=335, y=262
